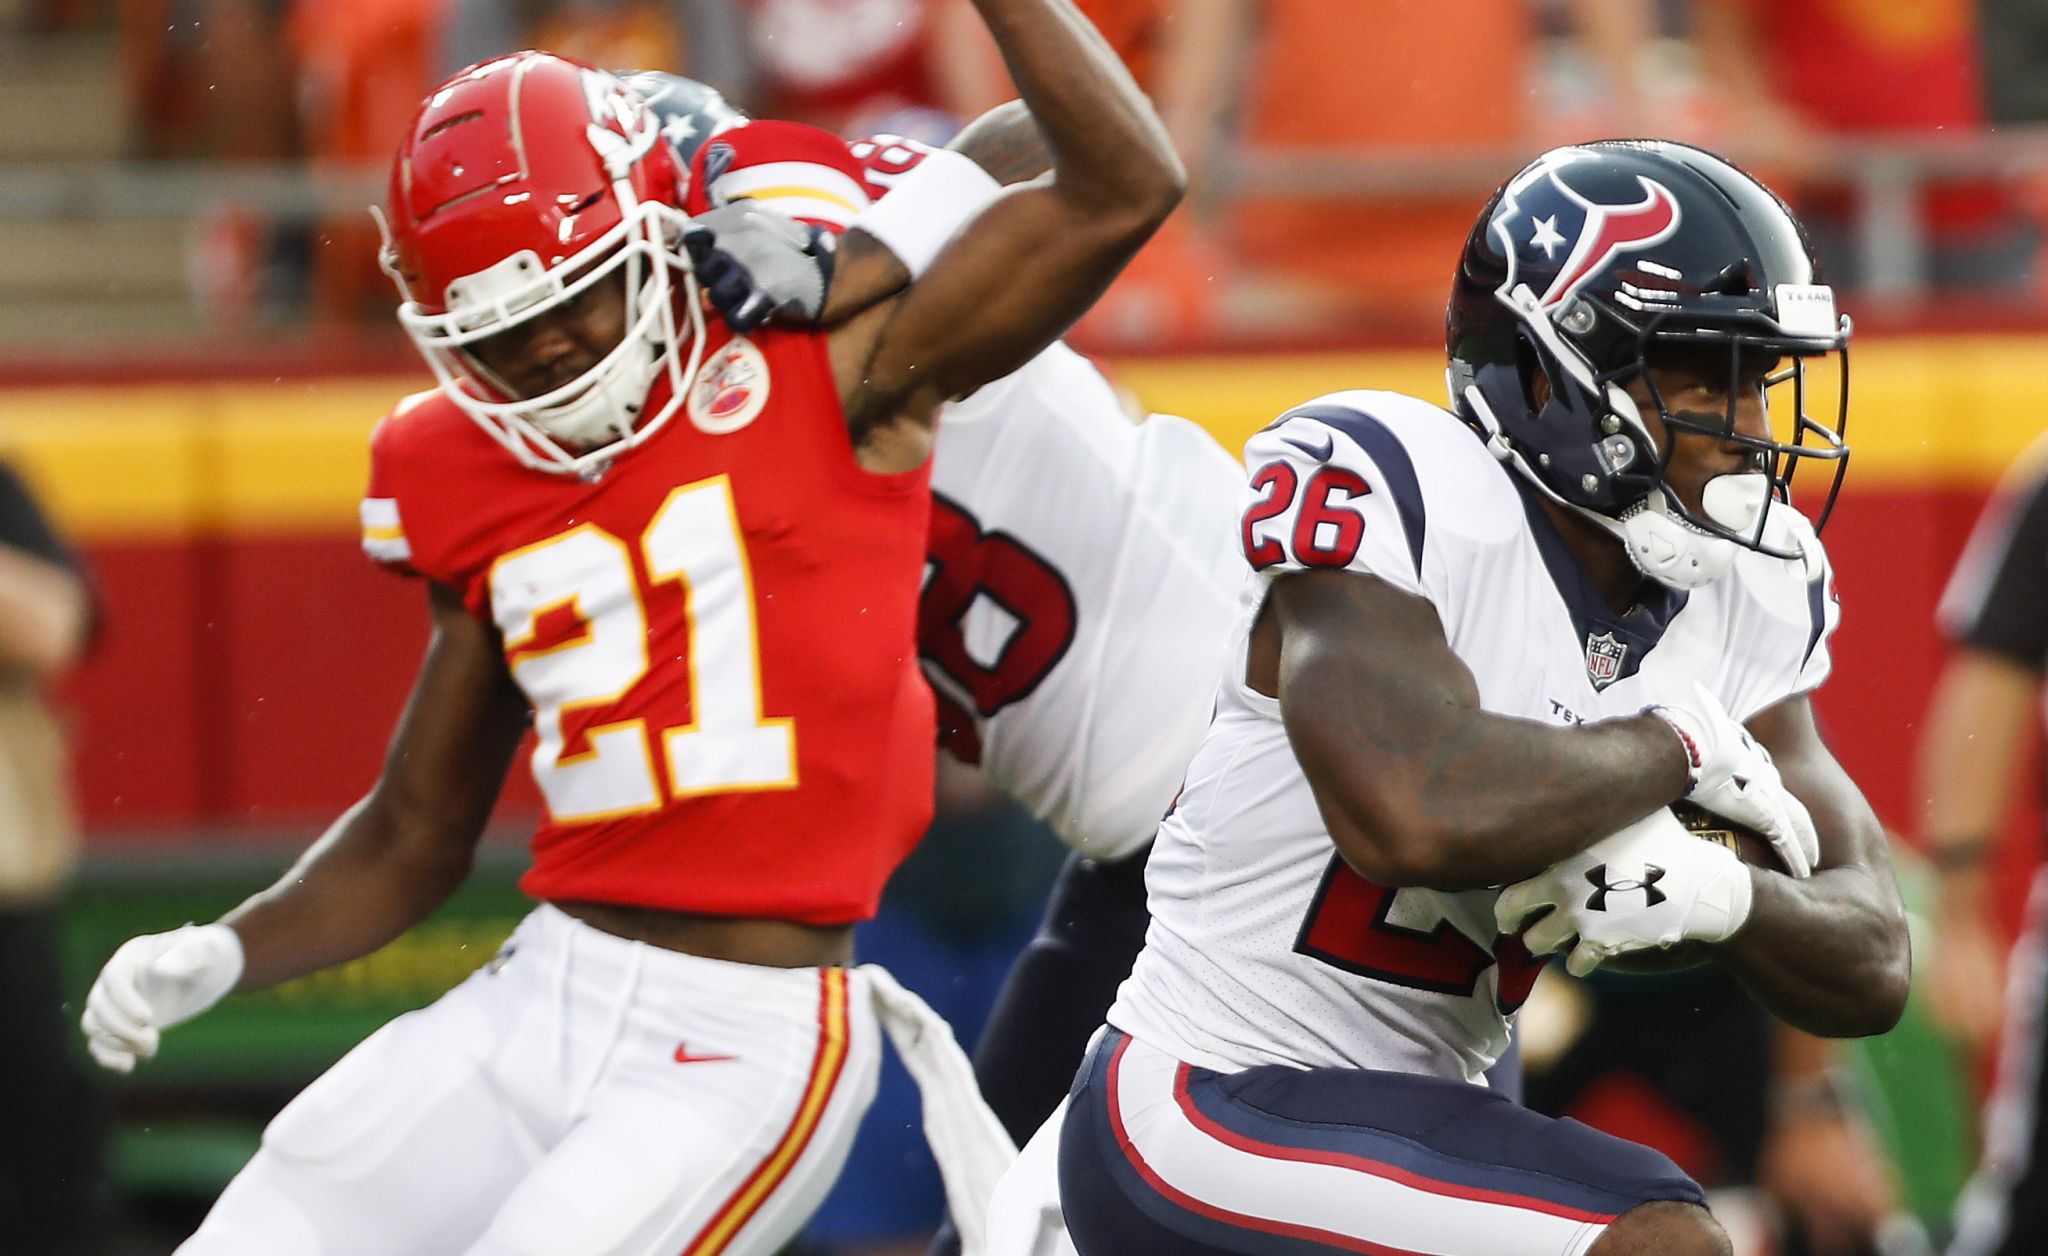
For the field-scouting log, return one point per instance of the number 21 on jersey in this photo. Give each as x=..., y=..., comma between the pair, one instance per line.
x=574, y=615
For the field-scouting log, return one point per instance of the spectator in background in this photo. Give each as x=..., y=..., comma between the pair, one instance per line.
x=701, y=38
x=204, y=79
x=363, y=65
x=855, y=67
x=1877, y=68
x=51, y=1188
x=1190, y=56
x=1986, y=706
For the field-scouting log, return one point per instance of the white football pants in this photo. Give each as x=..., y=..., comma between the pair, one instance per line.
x=580, y=1095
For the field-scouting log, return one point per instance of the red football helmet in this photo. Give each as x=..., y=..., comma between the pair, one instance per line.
x=523, y=184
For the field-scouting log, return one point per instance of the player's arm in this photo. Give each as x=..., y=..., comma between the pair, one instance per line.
x=1418, y=784
x=1978, y=731
x=1981, y=724
x=382, y=868
x=1828, y=954
x=1005, y=142
x=395, y=857
x=1032, y=262
x=45, y=607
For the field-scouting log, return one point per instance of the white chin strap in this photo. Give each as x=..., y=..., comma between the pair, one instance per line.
x=1674, y=553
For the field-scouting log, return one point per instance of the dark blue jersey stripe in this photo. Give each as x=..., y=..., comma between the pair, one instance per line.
x=1396, y=468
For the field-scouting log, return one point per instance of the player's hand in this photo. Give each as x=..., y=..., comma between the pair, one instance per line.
x=1650, y=886
x=755, y=264
x=153, y=982
x=1733, y=776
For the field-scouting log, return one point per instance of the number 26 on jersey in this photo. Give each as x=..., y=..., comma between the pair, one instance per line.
x=1327, y=531
x=575, y=618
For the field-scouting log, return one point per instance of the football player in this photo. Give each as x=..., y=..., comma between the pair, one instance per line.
x=1489, y=648
x=691, y=560
x=1085, y=568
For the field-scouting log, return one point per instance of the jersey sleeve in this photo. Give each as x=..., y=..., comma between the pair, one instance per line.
x=799, y=170
x=884, y=159
x=1997, y=600
x=1780, y=634
x=1334, y=487
x=1823, y=617
x=384, y=538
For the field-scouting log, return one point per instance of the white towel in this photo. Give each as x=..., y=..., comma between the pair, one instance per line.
x=971, y=1146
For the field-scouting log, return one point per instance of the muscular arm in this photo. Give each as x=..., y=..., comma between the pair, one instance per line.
x=1828, y=954
x=1034, y=260
x=398, y=854
x=1420, y=786
x=1005, y=141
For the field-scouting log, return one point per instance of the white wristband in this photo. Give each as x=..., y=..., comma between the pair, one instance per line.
x=928, y=206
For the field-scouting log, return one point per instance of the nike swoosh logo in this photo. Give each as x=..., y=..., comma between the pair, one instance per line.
x=1321, y=453
x=683, y=1056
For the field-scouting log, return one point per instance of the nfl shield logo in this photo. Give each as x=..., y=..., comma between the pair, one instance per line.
x=1603, y=658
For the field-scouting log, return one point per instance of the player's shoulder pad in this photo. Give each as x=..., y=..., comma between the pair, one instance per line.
x=1795, y=597
x=1439, y=473
x=799, y=170
x=400, y=443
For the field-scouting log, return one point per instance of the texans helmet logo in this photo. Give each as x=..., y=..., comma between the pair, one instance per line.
x=1544, y=223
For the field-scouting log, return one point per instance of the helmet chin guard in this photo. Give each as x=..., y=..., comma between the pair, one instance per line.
x=1678, y=554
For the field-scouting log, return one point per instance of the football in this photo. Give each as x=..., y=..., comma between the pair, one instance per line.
x=1750, y=846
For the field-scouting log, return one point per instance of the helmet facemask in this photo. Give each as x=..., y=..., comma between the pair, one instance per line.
x=1752, y=510
x=1623, y=481
x=582, y=424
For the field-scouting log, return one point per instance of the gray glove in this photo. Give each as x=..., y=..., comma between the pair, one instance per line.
x=755, y=264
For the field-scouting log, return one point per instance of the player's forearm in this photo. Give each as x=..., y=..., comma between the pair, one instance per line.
x=1436, y=794
x=1978, y=726
x=1490, y=800
x=44, y=611
x=1419, y=784
x=1829, y=955
x=361, y=886
x=1109, y=149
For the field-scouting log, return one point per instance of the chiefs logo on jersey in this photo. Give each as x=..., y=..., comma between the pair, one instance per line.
x=731, y=388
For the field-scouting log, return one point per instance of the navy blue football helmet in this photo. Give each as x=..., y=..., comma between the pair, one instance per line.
x=1589, y=265
x=691, y=112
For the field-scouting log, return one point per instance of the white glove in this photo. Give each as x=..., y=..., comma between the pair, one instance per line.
x=1650, y=886
x=1733, y=776
x=154, y=982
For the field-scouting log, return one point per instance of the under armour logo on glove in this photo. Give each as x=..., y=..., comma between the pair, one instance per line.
x=1602, y=887
x=1682, y=890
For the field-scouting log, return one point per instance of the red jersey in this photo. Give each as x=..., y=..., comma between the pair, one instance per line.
x=717, y=636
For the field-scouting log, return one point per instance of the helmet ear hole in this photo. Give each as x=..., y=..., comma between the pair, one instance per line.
x=1534, y=374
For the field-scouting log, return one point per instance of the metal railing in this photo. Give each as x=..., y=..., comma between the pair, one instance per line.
x=1887, y=176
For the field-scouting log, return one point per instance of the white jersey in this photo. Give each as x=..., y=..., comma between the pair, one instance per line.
x=1265, y=947
x=1083, y=578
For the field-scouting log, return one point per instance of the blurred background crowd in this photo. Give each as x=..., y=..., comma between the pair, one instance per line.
x=195, y=341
